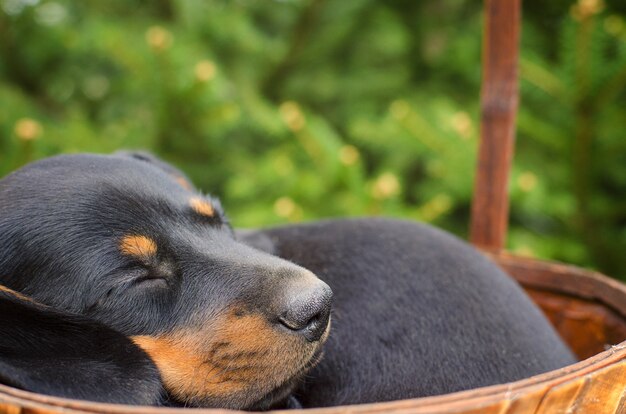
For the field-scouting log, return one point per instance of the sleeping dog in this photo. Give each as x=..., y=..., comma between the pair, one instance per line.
x=240, y=319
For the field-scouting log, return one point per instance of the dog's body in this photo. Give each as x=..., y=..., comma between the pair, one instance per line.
x=417, y=312
x=126, y=241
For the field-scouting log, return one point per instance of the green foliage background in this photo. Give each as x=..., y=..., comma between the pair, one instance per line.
x=298, y=109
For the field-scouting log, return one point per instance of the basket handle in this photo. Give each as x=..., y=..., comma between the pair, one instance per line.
x=499, y=100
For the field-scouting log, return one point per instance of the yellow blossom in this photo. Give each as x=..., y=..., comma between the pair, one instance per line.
x=462, y=124
x=386, y=186
x=292, y=115
x=527, y=181
x=205, y=70
x=583, y=9
x=28, y=129
x=159, y=38
x=284, y=207
x=348, y=155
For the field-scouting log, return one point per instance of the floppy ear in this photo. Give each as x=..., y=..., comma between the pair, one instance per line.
x=64, y=355
x=144, y=156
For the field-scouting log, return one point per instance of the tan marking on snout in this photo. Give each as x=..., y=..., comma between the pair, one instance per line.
x=18, y=295
x=138, y=246
x=233, y=364
x=202, y=207
x=186, y=373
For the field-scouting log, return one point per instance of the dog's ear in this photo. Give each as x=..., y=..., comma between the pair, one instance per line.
x=144, y=156
x=64, y=355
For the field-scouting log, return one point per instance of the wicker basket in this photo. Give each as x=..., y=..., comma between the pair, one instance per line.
x=588, y=309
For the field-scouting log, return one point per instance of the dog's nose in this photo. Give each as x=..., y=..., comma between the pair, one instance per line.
x=306, y=309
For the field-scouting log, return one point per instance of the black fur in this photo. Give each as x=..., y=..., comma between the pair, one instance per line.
x=51, y=352
x=416, y=311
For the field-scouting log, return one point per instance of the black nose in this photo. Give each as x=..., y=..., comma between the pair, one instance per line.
x=307, y=309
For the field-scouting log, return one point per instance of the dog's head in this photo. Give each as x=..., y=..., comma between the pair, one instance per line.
x=128, y=242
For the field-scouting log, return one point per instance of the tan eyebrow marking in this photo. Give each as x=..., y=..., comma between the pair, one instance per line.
x=183, y=182
x=139, y=246
x=202, y=207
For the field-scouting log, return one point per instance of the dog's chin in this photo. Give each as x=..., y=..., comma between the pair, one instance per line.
x=279, y=398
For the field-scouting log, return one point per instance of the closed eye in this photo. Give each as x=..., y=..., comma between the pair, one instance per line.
x=139, y=274
x=152, y=281
x=130, y=278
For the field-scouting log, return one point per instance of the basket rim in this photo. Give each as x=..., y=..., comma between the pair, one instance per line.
x=595, y=286
x=546, y=275
x=475, y=398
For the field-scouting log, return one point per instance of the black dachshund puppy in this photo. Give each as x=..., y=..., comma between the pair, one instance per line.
x=239, y=321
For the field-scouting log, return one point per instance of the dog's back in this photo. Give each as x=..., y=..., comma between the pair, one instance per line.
x=416, y=312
